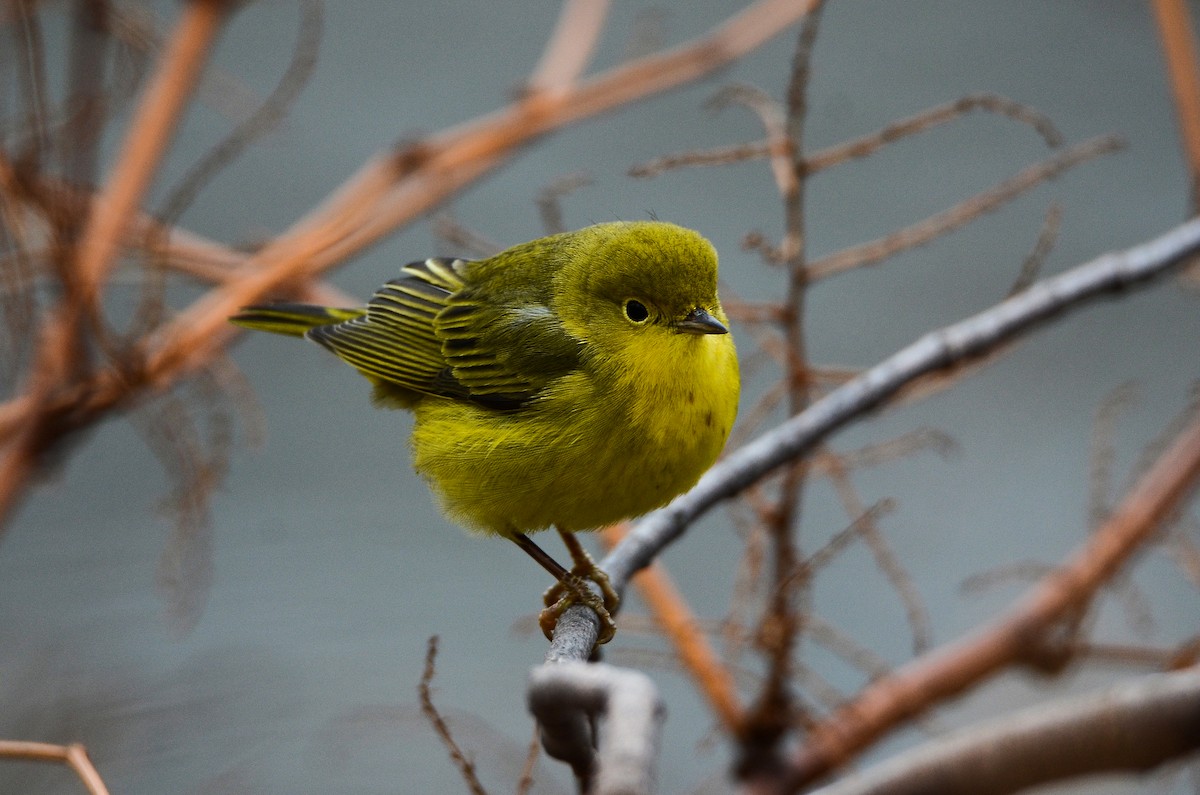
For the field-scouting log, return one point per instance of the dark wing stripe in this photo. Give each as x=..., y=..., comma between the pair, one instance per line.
x=395, y=340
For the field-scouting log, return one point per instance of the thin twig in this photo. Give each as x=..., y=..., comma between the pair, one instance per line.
x=718, y=156
x=150, y=132
x=827, y=552
x=1031, y=268
x=789, y=592
x=447, y=228
x=1103, y=452
x=964, y=212
x=549, y=200
x=73, y=755
x=424, y=691
x=885, y=558
x=525, y=780
x=928, y=119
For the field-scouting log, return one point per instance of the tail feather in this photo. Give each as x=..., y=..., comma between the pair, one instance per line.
x=292, y=319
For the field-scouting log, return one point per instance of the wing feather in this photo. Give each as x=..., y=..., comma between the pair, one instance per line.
x=436, y=330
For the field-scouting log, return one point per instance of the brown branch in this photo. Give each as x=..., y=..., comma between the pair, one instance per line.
x=571, y=45
x=1014, y=638
x=1031, y=268
x=964, y=212
x=74, y=755
x=465, y=766
x=1183, y=67
x=59, y=359
x=867, y=145
x=1135, y=727
x=781, y=628
x=885, y=558
x=150, y=131
x=549, y=200
x=682, y=629
x=717, y=156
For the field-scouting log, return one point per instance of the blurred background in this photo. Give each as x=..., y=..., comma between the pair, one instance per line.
x=330, y=564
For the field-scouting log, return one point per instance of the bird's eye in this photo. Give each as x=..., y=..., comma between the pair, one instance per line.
x=636, y=311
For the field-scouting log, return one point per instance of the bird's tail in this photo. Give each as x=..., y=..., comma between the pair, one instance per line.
x=294, y=320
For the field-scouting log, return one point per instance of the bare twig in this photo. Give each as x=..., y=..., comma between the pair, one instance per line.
x=525, y=781
x=719, y=156
x=845, y=647
x=1031, y=268
x=928, y=119
x=780, y=628
x=885, y=558
x=447, y=228
x=959, y=215
x=1135, y=726
x=149, y=134
x=1103, y=452
x=465, y=766
x=265, y=117
x=549, y=199
x=1179, y=46
x=827, y=552
x=73, y=755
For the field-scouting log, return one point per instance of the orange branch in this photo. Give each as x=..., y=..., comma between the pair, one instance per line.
x=1179, y=47
x=697, y=655
x=154, y=122
x=73, y=755
x=1020, y=635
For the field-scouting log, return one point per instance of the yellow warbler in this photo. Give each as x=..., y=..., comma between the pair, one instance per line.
x=572, y=381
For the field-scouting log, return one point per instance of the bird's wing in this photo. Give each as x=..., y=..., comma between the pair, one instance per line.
x=395, y=341
x=505, y=352
x=431, y=332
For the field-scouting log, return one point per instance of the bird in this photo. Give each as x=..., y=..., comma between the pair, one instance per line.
x=572, y=381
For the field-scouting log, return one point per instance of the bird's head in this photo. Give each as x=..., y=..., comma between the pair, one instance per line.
x=642, y=278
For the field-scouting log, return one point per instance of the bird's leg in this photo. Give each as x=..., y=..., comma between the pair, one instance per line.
x=573, y=588
x=570, y=586
x=541, y=556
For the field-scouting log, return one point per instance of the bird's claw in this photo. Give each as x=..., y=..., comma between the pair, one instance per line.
x=575, y=590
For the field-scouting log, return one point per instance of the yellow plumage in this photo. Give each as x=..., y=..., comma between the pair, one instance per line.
x=572, y=381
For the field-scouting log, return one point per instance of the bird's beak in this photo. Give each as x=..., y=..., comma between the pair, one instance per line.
x=699, y=321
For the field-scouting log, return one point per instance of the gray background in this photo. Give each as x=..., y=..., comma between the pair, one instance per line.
x=332, y=566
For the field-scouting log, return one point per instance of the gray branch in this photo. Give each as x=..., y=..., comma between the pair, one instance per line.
x=1134, y=727
x=570, y=698
x=1111, y=273
x=570, y=737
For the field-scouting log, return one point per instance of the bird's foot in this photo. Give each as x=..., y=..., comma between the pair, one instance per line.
x=574, y=589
